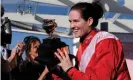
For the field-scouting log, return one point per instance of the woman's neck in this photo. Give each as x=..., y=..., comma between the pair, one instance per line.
x=83, y=37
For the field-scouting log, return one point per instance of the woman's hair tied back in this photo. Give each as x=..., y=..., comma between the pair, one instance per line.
x=98, y=9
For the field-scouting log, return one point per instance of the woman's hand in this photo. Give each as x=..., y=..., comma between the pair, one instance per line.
x=64, y=58
x=17, y=51
x=20, y=48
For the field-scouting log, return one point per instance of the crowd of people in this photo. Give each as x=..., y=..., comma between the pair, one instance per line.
x=99, y=56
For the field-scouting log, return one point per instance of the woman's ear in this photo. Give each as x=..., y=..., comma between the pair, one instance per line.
x=90, y=21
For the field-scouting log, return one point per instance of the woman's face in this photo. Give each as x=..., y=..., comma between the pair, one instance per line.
x=78, y=25
x=34, y=48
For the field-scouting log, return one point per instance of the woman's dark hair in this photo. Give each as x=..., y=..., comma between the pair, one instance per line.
x=87, y=10
x=28, y=41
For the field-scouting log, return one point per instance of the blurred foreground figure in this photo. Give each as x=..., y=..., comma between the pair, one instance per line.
x=8, y=57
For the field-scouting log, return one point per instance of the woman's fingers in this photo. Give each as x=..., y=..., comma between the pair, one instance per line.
x=66, y=54
x=61, y=53
x=58, y=56
x=20, y=45
x=65, y=61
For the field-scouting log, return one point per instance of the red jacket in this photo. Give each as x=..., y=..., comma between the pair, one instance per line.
x=100, y=57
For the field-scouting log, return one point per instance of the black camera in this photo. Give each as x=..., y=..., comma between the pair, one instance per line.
x=6, y=33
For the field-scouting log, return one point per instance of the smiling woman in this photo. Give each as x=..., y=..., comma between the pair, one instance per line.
x=79, y=31
x=96, y=47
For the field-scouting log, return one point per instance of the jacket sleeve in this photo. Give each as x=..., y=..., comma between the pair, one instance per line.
x=55, y=77
x=104, y=63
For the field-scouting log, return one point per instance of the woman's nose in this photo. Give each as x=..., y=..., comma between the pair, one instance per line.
x=72, y=25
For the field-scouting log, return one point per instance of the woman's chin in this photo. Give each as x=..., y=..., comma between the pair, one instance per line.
x=76, y=36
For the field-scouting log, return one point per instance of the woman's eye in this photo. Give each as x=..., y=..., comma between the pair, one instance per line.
x=35, y=46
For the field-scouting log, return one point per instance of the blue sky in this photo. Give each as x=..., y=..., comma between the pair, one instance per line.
x=11, y=6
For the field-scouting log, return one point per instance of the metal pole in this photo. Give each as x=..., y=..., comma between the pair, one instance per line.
x=36, y=5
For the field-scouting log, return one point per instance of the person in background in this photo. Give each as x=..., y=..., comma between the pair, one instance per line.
x=32, y=44
x=29, y=69
x=100, y=54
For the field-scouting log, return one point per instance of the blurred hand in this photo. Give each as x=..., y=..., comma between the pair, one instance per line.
x=44, y=73
x=64, y=58
x=20, y=47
